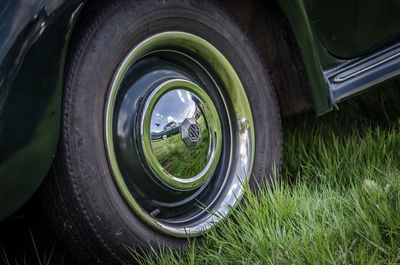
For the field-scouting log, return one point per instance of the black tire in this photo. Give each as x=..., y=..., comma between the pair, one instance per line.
x=82, y=199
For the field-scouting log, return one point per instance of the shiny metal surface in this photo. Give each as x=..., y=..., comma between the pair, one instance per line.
x=360, y=69
x=362, y=73
x=191, y=132
x=226, y=189
x=171, y=109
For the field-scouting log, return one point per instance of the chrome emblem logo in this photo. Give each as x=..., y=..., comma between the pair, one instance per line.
x=190, y=132
x=194, y=132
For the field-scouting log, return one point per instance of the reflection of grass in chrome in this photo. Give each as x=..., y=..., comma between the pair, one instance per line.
x=180, y=160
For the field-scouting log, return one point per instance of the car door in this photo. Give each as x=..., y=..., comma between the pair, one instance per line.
x=352, y=28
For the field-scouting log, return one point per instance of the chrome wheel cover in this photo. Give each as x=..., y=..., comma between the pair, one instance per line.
x=188, y=201
x=190, y=106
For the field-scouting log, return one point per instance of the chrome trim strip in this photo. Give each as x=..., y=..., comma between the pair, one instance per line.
x=346, y=75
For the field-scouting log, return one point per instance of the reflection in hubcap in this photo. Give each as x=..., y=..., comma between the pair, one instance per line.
x=181, y=138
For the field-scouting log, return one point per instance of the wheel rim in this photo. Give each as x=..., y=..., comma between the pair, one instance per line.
x=183, y=191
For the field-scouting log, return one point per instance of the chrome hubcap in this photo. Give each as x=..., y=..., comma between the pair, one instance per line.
x=180, y=134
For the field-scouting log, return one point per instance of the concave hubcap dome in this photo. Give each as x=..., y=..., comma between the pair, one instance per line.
x=181, y=134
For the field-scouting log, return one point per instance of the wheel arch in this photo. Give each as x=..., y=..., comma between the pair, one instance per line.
x=279, y=30
x=272, y=25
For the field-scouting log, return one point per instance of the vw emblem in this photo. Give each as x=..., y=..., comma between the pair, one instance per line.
x=190, y=132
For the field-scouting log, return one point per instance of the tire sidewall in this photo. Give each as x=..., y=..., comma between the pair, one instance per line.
x=107, y=41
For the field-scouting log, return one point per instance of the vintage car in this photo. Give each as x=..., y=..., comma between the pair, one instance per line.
x=85, y=84
x=171, y=128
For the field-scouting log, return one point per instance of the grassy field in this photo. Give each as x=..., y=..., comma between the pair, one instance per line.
x=338, y=201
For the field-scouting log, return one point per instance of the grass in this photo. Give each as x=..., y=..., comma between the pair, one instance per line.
x=26, y=239
x=338, y=201
x=45, y=259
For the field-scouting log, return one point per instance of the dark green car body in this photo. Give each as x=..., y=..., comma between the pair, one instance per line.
x=345, y=46
x=170, y=129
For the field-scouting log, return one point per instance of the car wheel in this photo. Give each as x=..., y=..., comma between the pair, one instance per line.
x=138, y=66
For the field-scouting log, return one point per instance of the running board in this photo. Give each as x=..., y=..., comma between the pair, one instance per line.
x=359, y=74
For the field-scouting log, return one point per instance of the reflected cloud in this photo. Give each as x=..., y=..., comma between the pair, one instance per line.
x=181, y=96
x=174, y=107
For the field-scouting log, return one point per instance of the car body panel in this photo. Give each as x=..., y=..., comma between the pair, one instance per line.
x=296, y=13
x=33, y=44
x=349, y=29
x=335, y=36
